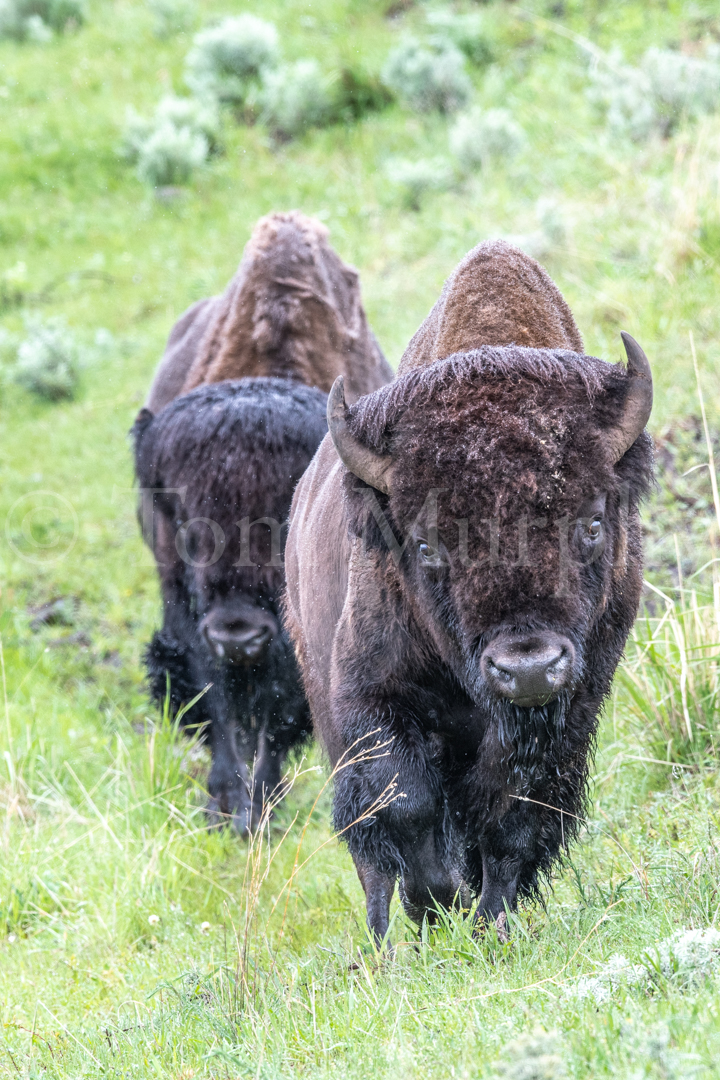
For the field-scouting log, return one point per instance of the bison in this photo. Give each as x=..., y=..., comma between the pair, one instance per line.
x=464, y=565
x=223, y=461
x=235, y=414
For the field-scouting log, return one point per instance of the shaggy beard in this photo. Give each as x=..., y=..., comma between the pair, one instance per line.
x=532, y=738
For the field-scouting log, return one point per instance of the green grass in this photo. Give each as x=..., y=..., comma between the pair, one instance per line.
x=108, y=873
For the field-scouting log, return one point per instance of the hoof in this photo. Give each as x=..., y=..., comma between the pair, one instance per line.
x=501, y=929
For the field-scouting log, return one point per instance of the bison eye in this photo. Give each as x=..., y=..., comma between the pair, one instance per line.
x=594, y=531
x=429, y=556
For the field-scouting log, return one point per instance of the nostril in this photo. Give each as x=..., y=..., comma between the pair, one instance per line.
x=559, y=663
x=559, y=668
x=500, y=673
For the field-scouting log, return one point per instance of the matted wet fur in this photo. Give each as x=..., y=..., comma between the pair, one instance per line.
x=502, y=464
x=221, y=454
x=292, y=310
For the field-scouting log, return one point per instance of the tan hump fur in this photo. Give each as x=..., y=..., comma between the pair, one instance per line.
x=292, y=309
x=497, y=295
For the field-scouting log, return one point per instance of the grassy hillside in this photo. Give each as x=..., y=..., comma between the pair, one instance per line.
x=132, y=941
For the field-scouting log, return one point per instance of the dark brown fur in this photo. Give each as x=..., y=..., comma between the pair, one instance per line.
x=390, y=652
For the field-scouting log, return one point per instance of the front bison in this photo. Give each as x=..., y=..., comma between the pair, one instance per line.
x=464, y=566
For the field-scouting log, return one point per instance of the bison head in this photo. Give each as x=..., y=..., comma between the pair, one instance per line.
x=216, y=469
x=500, y=487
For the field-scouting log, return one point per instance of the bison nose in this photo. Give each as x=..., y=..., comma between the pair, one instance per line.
x=529, y=670
x=237, y=643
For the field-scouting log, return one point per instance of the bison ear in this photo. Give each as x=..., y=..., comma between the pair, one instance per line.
x=638, y=403
x=142, y=422
x=374, y=469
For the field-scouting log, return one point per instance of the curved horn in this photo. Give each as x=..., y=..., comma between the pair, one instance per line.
x=373, y=468
x=638, y=403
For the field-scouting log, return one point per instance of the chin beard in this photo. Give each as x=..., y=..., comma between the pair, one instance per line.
x=532, y=738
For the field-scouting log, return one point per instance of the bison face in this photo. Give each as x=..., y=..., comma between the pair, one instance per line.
x=533, y=669
x=230, y=571
x=506, y=519
x=508, y=599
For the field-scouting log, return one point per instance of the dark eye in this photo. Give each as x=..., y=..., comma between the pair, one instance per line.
x=594, y=531
x=429, y=556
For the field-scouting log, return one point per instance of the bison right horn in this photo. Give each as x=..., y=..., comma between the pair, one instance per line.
x=373, y=468
x=638, y=403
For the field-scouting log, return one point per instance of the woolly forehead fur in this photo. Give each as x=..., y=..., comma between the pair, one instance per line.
x=238, y=447
x=504, y=430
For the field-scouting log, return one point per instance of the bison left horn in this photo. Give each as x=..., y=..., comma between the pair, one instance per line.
x=638, y=403
x=373, y=468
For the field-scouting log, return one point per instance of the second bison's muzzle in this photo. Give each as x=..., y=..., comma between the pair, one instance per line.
x=239, y=632
x=529, y=670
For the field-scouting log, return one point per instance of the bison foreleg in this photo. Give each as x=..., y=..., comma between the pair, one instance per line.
x=407, y=838
x=267, y=784
x=500, y=878
x=230, y=796
x=428, y=884
x=379, y=889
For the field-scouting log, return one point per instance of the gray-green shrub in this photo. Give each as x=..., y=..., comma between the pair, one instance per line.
x=428, y=77
x=48, y=359
x=481, y=136
x=294, y=98
x=466, y=32
x=686, y=958
x=417, y=178
x=552, y=221
x=682, y=85
x=36, y=20
x=535, y=1055
x=228, y=61
x=170, y=155
x=656, y=96
x=172, y=16
x=199, y=117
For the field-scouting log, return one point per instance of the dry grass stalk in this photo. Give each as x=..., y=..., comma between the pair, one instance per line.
x=252, y=936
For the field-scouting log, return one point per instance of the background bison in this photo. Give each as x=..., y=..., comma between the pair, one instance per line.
x=218, y=466
x=464, y=565
x=225, y=459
